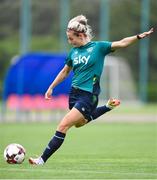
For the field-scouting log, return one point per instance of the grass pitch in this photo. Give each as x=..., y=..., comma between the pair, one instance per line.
x=95, y=151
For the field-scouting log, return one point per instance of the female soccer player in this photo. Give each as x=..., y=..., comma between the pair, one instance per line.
x=86, y=59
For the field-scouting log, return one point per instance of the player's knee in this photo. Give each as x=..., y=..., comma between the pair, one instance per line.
x=64, y=125
x=80, y=124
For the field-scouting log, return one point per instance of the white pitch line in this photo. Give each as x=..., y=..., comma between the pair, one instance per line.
x=77, y=171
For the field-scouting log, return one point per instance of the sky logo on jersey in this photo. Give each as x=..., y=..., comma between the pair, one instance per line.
x=81, y=59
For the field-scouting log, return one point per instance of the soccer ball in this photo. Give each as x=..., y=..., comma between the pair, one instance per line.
x=14, y=154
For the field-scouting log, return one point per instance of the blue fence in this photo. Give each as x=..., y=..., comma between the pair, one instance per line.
x=32, y=74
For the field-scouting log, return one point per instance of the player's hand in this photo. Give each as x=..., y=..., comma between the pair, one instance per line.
x=48, y=94
x=145, y=34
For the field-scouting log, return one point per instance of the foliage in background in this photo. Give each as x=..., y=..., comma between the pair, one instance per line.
x=124, y=21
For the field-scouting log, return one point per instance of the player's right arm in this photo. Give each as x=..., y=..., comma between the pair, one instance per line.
x=60, y=77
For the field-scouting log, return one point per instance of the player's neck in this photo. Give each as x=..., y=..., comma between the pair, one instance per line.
x=83, y=43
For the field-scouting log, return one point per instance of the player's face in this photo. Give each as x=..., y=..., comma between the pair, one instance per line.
x=74, y=39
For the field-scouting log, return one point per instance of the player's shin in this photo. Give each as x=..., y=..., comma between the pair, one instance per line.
x=99, y=111
x=53, y=145
x=111, y=104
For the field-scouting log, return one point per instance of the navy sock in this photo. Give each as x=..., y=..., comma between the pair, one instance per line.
x=99, y=111
x=53, y=145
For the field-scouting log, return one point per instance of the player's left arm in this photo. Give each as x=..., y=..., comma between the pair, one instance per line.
x=129, y=40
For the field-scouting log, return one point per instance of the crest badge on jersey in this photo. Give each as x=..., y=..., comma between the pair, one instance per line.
x=90, y=49
x=76, y=52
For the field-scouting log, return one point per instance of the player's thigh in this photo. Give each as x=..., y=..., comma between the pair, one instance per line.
x=72, y=118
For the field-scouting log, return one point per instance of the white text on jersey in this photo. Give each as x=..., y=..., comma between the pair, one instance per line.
x=81, y=59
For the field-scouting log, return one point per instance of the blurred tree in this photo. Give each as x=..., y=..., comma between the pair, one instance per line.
x=124, y=21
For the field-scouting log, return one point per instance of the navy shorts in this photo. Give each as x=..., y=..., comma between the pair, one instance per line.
x=83, y=101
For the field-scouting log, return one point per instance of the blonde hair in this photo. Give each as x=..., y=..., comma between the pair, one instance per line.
x=79, y=24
